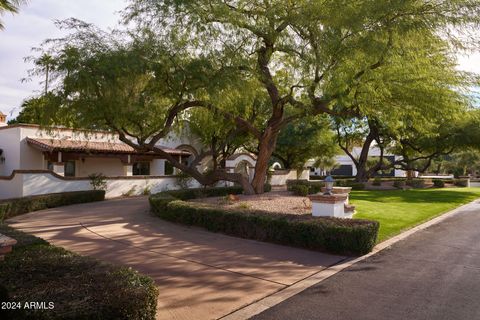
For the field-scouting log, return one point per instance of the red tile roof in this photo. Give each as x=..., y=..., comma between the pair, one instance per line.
x=91, y=146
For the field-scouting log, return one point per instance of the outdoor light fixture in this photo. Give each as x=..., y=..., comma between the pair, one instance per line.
x=328, y=185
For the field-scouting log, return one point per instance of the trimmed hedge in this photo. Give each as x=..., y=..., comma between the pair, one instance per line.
x=80, y=287
x=438, y=183
x=312, y=186
x=460, y=182
x=340, y=236
x=194, y=193
x=16, y=206
x=399, y=183
x=377, y=181
x=416, y=183
x=316, y=186
x=300, y=190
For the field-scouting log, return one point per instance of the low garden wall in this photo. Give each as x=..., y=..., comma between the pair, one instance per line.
x=24, y=183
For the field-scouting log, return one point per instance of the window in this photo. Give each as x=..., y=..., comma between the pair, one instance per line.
x=168, y=168
x=69, y=168
x=141, y=168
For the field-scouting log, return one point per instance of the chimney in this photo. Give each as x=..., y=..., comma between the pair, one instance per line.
x=3, y=119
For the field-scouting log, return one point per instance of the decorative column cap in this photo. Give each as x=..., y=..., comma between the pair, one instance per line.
x=339, y=190
x=327, y=198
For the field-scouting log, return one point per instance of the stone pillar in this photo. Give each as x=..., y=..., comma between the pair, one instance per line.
x=328, y=205
x=340, y=190
x=128, y=169
x=157, y=167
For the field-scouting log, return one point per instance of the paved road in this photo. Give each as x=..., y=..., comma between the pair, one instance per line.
x=434, y=274
x=200, y=275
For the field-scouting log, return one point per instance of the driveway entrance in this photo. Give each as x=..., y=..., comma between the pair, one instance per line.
x=200, y=275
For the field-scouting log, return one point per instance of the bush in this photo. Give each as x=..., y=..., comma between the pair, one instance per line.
x=438, y=183
x=340, y=236
x=460, y=182
x=194, y=193
x=267, y=187
x=399, y=183
x=377, y=182
x=13, y=207
x=300, y=190
x=80, y=287
x=313, y=186
x=98, y=181
x=416, y=183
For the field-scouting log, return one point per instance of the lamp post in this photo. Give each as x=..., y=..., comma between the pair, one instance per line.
x=328, y=185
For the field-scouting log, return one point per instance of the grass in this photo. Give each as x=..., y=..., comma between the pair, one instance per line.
x=399, y=210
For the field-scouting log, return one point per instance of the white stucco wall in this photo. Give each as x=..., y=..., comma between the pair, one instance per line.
x=109, y=167
x=10, y=143
x=281, y=179
x=11, y=188
x=27, y=184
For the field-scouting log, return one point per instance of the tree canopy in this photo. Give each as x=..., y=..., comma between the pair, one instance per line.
x=259, y=65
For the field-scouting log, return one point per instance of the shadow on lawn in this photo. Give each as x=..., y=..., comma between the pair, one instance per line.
x=416, y=196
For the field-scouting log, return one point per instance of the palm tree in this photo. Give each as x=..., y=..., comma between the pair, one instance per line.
x=9, y=6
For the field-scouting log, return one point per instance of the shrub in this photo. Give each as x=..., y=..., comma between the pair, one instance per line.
x=438, y=183
x=460, y=182
x=80, y=287
x=194, y=193
x=300, y=190
x=183, y=180
x=416, y=183
x=340, y=236
x=313, y=186
x=13, y=207
x=377, y=182
x=292, y=183
x=399, y=183
x=267, y=187
x=159, y=201
x=356, y=185
x=98, y=181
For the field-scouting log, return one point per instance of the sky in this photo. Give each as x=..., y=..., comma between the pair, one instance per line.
x=35, y=23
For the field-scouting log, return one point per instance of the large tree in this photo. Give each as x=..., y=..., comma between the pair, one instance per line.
x=411, y=107
x=304, y=140
x=285, y=60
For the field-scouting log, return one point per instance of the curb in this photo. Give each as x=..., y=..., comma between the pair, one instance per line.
x=270, y=301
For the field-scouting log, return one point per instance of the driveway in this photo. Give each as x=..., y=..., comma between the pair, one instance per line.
x=433, y=274
x=200, y=275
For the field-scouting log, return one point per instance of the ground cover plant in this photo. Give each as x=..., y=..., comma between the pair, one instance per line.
x=80, y=287
x=398, y=210
x=16, y=206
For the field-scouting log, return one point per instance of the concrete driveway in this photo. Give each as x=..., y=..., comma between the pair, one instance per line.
x=200, y=275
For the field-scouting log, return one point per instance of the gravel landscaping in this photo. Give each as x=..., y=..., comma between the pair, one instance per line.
x=278, y=202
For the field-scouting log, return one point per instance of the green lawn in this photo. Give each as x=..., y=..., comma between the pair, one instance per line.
x=399, y=210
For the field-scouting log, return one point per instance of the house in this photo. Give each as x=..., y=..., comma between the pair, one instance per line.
x=35, y=160
x=346, y=166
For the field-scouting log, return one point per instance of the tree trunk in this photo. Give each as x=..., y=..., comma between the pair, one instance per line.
x=362, y=173
x=361, y=164
x=265, y=151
